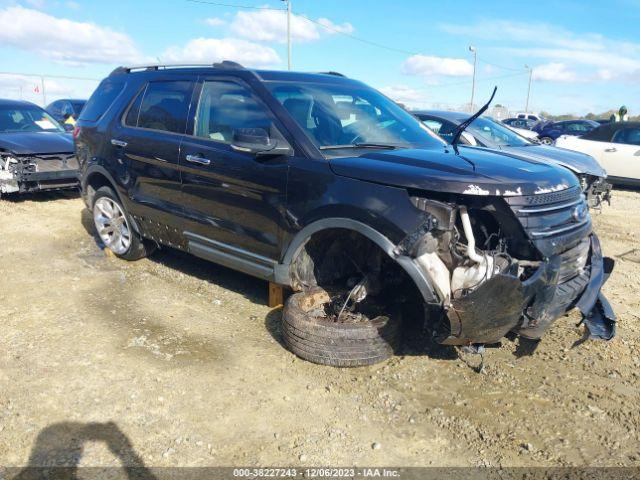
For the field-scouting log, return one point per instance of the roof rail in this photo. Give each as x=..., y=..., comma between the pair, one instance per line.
x=337, y=74
x=224, y=64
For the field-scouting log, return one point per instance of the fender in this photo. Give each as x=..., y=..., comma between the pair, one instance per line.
x=420, y=278
x=94, y=169
x=98, y=169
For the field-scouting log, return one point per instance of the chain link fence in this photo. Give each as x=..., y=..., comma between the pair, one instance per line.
x=44, y=89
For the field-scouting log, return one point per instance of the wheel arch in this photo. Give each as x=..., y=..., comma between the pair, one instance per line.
x=95, y=177
x=419, y=277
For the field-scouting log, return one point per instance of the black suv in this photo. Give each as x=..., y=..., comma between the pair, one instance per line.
x=316, y=180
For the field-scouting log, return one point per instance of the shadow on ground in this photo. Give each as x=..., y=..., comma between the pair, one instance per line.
x=253, y=289
x=44, y=196
x=59, y=448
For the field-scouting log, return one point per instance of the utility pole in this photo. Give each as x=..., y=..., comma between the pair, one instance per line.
x=473, y=50
x=526, y=108
x=44, y=95
x=288, y=2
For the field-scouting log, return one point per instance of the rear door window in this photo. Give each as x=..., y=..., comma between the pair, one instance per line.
x=164, y=106
x=102, y=99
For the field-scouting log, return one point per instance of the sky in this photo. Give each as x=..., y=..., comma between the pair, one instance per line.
x=584, y=56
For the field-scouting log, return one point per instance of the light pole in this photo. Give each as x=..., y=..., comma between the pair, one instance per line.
x=473, y=50
x=288, y=2
x=526, y=108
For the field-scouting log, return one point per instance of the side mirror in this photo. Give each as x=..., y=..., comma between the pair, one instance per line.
x=258, y=142
x=68, y=127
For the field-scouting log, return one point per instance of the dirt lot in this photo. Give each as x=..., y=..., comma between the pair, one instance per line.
x=175, y=361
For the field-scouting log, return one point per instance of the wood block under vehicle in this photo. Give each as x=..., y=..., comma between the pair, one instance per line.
x=276, y=295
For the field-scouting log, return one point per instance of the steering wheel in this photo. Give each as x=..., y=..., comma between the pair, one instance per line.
x=362, y=134
x=24, y=127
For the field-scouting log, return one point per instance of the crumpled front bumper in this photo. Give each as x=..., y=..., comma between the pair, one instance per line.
x=528, y=308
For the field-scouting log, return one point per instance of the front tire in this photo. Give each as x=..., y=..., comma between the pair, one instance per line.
x=546, y=141
x=114, y=226
x=336, y=344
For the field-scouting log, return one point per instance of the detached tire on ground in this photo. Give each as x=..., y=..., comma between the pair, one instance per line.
x=326, y=342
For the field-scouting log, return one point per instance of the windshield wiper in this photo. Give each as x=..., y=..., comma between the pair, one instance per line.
x=360, y=145
x=461, y=128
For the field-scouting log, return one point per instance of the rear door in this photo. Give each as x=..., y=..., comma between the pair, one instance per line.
x=147, y=139
x=234, y=201
x=621, y=157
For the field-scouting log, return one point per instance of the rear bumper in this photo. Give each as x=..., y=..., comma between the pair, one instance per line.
x=504, y=303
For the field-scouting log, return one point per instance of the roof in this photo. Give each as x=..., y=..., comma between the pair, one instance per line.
x=226, y=67
x=6, y=102
x=70, y=100
x=446, y=114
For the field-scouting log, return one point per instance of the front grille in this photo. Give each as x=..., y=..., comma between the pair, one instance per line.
x=552, y=197
x=555, y=222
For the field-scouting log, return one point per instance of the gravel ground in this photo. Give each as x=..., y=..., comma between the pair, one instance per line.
x=175, y=361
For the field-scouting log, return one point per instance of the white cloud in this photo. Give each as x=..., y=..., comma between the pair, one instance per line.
x=586, y=57
x=336, y=28
x=214, y=21
x=271, y=26
x=408, y=96
x=430, y=66
x=64, y=40
x=555, y=72
x=210, y=50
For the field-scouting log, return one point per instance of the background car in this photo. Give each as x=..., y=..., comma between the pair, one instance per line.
x=615, y=145
x=529, y=116
x=520, y=123
x=36, y=153
x=488, y=133
x=64, y=109
x=550, y=131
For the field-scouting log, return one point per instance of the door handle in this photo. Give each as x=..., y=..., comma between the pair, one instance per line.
x=118, y=143
x=199, y=159
x=611, y=150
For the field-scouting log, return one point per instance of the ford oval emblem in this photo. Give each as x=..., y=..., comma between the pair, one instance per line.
x=579, y=213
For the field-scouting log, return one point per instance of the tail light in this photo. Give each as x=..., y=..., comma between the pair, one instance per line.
x=76, y=132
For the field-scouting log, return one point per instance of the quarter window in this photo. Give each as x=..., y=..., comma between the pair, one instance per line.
x=164, y=106
x=225, y=107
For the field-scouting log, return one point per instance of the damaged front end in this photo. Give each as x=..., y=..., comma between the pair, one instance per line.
x=33, y=172
x=514, y=263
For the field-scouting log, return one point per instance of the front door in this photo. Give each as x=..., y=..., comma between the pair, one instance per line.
x=621, y=157
x=234, y=201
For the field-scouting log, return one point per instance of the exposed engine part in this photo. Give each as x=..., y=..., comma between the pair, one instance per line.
x=596, y=190
x=465, y=278
x=438, y=272
x=25, y=173
x=8, y=181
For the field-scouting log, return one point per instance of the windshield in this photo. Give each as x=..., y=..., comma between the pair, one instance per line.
x=348, y=116
x=27, y=118
x=491, y=132
x=77, y=107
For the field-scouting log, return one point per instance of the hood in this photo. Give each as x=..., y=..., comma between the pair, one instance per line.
x=474, y=171
x=575, y=161
x=25, y=143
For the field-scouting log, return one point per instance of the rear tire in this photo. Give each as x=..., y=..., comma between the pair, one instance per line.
x=114, y=227
x=546, y=140
x=336, y=344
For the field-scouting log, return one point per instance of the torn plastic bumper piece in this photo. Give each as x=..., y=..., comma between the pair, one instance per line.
x=504, y=303
x=597, y=313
